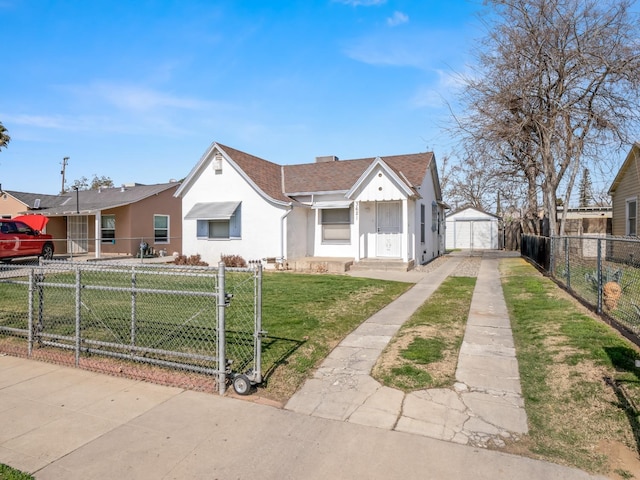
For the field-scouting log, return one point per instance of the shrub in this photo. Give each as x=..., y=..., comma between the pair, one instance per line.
x=233, y=261
x=193, y=260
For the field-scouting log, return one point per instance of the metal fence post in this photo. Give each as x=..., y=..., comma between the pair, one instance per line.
x=222, y=360
x=599, y=273
x=552, y=256
x=78, y=314
x=258, y=328
x=133, y=307
x=32, y=287
x=567, y=262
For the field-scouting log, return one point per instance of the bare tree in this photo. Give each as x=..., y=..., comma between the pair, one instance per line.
x=557, y=83
x=4, y=137
x=473, y=183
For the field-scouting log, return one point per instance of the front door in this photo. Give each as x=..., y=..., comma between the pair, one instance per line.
x=77, y=234
x=389, y=229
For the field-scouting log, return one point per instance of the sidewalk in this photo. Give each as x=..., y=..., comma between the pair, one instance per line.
x=60, y=422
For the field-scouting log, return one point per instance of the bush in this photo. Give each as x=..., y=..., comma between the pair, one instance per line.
x=233, y=261
x=193, y=260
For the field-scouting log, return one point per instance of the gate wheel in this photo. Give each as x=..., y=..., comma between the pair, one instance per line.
x=241, y=384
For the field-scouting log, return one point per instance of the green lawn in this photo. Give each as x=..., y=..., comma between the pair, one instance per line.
x=578, y=375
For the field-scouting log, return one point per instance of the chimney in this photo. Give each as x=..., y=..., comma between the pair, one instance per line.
x=327, y=158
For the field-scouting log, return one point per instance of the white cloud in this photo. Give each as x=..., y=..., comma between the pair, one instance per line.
x=397, y=18
x=439, y=93
x=135, y=98
x=364, y=3
x=387, y=51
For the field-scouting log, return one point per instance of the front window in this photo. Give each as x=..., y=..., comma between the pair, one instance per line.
x=434, y=216
x=220, y=229
x=108, y=228
x=336, y=225
x=632, y=217
x=161, y=228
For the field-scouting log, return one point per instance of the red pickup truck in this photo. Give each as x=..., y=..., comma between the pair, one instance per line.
x=17, y=239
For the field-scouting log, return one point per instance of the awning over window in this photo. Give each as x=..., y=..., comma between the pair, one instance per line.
x=337, y=204
x=212, y=211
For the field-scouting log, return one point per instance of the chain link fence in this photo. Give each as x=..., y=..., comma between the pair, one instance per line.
x=604, y=272
x=189, y=326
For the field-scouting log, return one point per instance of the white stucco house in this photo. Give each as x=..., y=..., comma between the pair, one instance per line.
x=472, y=229
x=377, y=208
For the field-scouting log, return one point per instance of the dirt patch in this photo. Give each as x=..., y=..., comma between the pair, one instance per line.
x=625, y=463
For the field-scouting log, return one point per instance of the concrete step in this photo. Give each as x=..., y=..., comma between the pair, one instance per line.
x=369, y=264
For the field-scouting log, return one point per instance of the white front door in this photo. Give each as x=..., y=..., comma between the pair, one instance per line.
x=77, y=234
x=389, y=229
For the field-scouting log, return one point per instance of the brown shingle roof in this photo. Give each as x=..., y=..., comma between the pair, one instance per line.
x=265, y=174
x=341, y=175
x=329, y=176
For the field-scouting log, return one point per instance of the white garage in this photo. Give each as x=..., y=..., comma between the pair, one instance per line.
x=472, y=229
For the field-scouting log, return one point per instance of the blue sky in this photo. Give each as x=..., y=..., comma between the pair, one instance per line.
x=137, y=90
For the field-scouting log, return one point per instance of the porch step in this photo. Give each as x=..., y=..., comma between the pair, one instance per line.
x=320, y=264
x=382, y=264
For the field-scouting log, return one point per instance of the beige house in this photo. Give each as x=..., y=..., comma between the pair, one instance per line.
x=108, y=221
x=16, y=203
x=624, y=192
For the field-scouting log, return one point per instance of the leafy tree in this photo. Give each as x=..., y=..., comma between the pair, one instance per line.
x=557, y=81
x=100, y=182
x=96, y=182
x=4, y=137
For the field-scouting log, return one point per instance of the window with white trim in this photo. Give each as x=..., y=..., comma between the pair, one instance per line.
x=220, y=229
x=336, y=225
x=423, y=216
x=161, y=228
x=108, y=228
x=632, y=217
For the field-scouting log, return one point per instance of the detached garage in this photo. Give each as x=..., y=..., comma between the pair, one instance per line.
x=472, y=229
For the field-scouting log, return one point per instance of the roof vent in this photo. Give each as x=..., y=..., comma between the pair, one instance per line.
x=217, y=162
x=36, y=203
x=327, y=158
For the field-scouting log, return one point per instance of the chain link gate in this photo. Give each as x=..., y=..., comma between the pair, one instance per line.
x=158, y=318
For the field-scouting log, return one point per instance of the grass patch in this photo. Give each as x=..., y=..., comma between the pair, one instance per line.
x=8, y=473
x=306, y=316
x=569, y=362
x=424, y=353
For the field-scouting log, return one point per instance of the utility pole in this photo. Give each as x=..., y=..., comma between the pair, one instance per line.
x=65, y=160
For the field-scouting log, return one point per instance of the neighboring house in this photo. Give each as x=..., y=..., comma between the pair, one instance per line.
x=111, y=221
x=589, y=221
x=373, y=208
x=624, y=192
x=15, y=203
x=473, y=229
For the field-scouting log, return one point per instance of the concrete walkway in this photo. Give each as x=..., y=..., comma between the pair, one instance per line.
x=60, y=422
x=485, y=407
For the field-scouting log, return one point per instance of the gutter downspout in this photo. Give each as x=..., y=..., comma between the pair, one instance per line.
x=282, y=219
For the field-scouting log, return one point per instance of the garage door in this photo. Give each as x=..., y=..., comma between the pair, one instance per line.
x=475, y=235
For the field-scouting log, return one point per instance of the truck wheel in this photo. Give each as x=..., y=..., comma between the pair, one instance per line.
x=47, y=251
